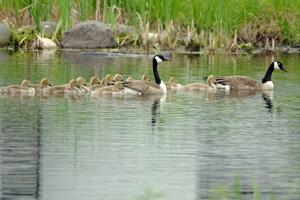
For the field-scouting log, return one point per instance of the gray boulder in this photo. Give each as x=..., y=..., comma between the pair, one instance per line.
x=90, y=34
x=5, y=35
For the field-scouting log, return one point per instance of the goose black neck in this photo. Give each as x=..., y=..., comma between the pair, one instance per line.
x=268, y=75
x=155, y=72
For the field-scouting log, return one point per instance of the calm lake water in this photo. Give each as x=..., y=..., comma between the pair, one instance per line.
x=184, y=146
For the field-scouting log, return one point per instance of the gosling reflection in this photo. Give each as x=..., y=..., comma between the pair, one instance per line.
x=268, y=99
x=237, y=94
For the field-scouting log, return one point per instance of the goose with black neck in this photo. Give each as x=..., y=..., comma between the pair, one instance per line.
x=147, y=87
x=248, y=83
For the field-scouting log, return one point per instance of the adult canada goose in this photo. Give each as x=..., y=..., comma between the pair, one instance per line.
x=116, y=89
x=82, y=85
x=147, y=87
x=39, y=88
x=201, y=86
x=23, y=89
x=248, y=83
x=71, y=88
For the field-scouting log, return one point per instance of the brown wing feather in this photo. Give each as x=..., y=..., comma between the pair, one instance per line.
x=237, y=82
x=144, y=87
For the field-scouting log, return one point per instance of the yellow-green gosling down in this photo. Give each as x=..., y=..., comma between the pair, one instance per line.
x=72, y=88
x=116, y=89
x=200, y=86
x=40, y=88
x=82, y=85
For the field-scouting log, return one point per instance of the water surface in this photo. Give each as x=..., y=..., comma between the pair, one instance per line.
x=183, y=146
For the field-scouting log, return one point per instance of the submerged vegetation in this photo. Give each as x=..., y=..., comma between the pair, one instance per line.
x=193, y=24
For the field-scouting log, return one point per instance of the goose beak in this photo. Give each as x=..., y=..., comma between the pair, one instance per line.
x=284, y=69
x=167, y=59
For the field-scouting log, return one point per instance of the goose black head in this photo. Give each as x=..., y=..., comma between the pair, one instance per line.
x=278, y=65
x=160, y=58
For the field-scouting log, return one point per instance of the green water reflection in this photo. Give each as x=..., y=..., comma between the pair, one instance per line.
x=185, y=146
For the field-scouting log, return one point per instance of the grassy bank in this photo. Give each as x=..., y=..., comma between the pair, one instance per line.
x=209, y=24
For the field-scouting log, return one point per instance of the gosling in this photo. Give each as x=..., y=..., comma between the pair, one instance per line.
x=24, y=89
x=72, y=88
x=40, y=88
x=82, y=85
x=194, y=87
x=116, y=89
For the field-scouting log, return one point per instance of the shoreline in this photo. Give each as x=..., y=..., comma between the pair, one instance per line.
x=180, y=51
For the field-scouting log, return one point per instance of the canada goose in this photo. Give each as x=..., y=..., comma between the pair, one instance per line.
x=109, y=77
x=82, y=85
x=172, y=86
x=145, y=77
x=201, y=86
x=23, y=89
x=248, y=83
x=116, y=89
x=39, y=88
x=71, y=88
x=103, y=82
x=129, y=78
x=117, y=77
x=146, y=87
x=94, y=81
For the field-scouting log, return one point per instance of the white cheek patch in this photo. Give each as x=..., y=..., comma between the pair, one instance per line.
x=276, y=66
x=158, y=60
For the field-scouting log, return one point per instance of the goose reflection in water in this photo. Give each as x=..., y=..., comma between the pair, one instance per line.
x=155, y=110
x=20, y=151
x=268, y=98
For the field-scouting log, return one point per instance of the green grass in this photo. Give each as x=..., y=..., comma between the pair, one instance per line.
x=214, y=19
x=65, y=7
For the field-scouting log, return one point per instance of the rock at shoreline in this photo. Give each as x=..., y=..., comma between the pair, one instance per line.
x=90, y=34
x=5, y=35
x=44, y=43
